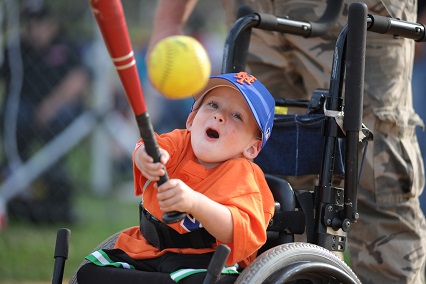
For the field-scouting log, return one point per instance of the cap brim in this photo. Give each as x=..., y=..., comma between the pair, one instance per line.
x=213, y=83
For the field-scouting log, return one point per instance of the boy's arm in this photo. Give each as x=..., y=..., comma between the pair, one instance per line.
x=215, y=217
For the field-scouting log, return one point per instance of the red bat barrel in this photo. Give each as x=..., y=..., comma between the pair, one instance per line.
x=109, y=15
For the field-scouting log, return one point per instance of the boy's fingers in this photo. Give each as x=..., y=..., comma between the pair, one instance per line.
x=147, y=158
x=143, y=155
x=164, y=157
x=152, y=177
x=154, y=166
x=171, y=183
x=155, y=171
x=149, y=169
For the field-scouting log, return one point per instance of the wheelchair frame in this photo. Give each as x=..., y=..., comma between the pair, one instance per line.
x=334, y=208
x=284, y=261
x=331, y=210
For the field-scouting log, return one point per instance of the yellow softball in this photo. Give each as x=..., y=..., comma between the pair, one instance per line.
x=178, y=67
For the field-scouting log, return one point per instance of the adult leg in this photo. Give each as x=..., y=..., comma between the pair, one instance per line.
x=393, y=175
x=395, y=250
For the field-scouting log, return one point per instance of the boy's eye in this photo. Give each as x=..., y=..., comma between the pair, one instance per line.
x=237, y=116
x=212, y=104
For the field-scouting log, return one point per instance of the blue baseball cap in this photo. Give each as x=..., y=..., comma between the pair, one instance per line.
x=259, y=99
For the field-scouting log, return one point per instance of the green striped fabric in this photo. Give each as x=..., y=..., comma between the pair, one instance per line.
x=100, y=258
x=182, y=273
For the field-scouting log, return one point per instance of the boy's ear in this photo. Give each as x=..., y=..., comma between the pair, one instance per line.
x=253, y=150
x=190, y=119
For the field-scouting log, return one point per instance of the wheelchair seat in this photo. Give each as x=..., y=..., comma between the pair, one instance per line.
x=282, y=227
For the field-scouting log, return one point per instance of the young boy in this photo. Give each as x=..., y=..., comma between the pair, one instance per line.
x=212, y=179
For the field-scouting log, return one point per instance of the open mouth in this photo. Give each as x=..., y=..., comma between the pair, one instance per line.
x=211, y=133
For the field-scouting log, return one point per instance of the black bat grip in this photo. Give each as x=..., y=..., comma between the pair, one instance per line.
x=216, y=264
x=61, y=254
x=151, y=147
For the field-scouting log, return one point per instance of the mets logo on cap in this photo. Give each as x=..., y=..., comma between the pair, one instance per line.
x=259, y=99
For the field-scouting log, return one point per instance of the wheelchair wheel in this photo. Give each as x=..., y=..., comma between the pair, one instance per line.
x=109, y=243
x=294, y=262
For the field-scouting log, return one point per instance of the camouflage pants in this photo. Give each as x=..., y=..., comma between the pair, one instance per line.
x=388, y=243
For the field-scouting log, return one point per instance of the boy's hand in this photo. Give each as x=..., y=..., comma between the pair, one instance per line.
x=146, y=165
x=176, y=195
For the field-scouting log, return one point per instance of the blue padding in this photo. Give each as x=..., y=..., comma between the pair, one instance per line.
x=295, y=147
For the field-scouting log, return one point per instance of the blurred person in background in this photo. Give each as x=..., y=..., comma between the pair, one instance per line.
x=52, y=81
x=388, y=243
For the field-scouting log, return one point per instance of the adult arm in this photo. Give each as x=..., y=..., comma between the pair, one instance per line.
x=170, y=18
x=70, y=89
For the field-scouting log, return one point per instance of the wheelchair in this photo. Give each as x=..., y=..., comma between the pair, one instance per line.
x=325, y=213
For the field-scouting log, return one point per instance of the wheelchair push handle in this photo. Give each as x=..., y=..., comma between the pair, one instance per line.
x=355, y=62
x=61, y=254
x=239, y=35
x=331, y=13
x=354, y=91
x=216, y=264
x=358, y=24
x=286, y=25
x=396, y=27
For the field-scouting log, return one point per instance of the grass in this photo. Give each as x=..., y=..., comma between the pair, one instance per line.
x=26, y=249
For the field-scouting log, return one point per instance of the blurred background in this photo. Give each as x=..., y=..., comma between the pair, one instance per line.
x=67, y=132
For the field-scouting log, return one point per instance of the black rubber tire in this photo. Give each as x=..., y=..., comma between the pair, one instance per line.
x=269, y=264
x=109, y=243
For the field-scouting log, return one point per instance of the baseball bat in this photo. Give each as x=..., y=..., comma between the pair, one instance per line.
x=109, y=15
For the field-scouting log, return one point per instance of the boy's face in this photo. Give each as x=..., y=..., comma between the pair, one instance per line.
x=223, y=127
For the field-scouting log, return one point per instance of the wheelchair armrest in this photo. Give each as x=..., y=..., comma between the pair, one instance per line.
x=282, y=192
x=287, y=221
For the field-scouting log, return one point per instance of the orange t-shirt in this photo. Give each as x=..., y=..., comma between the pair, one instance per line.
x=238, y=184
